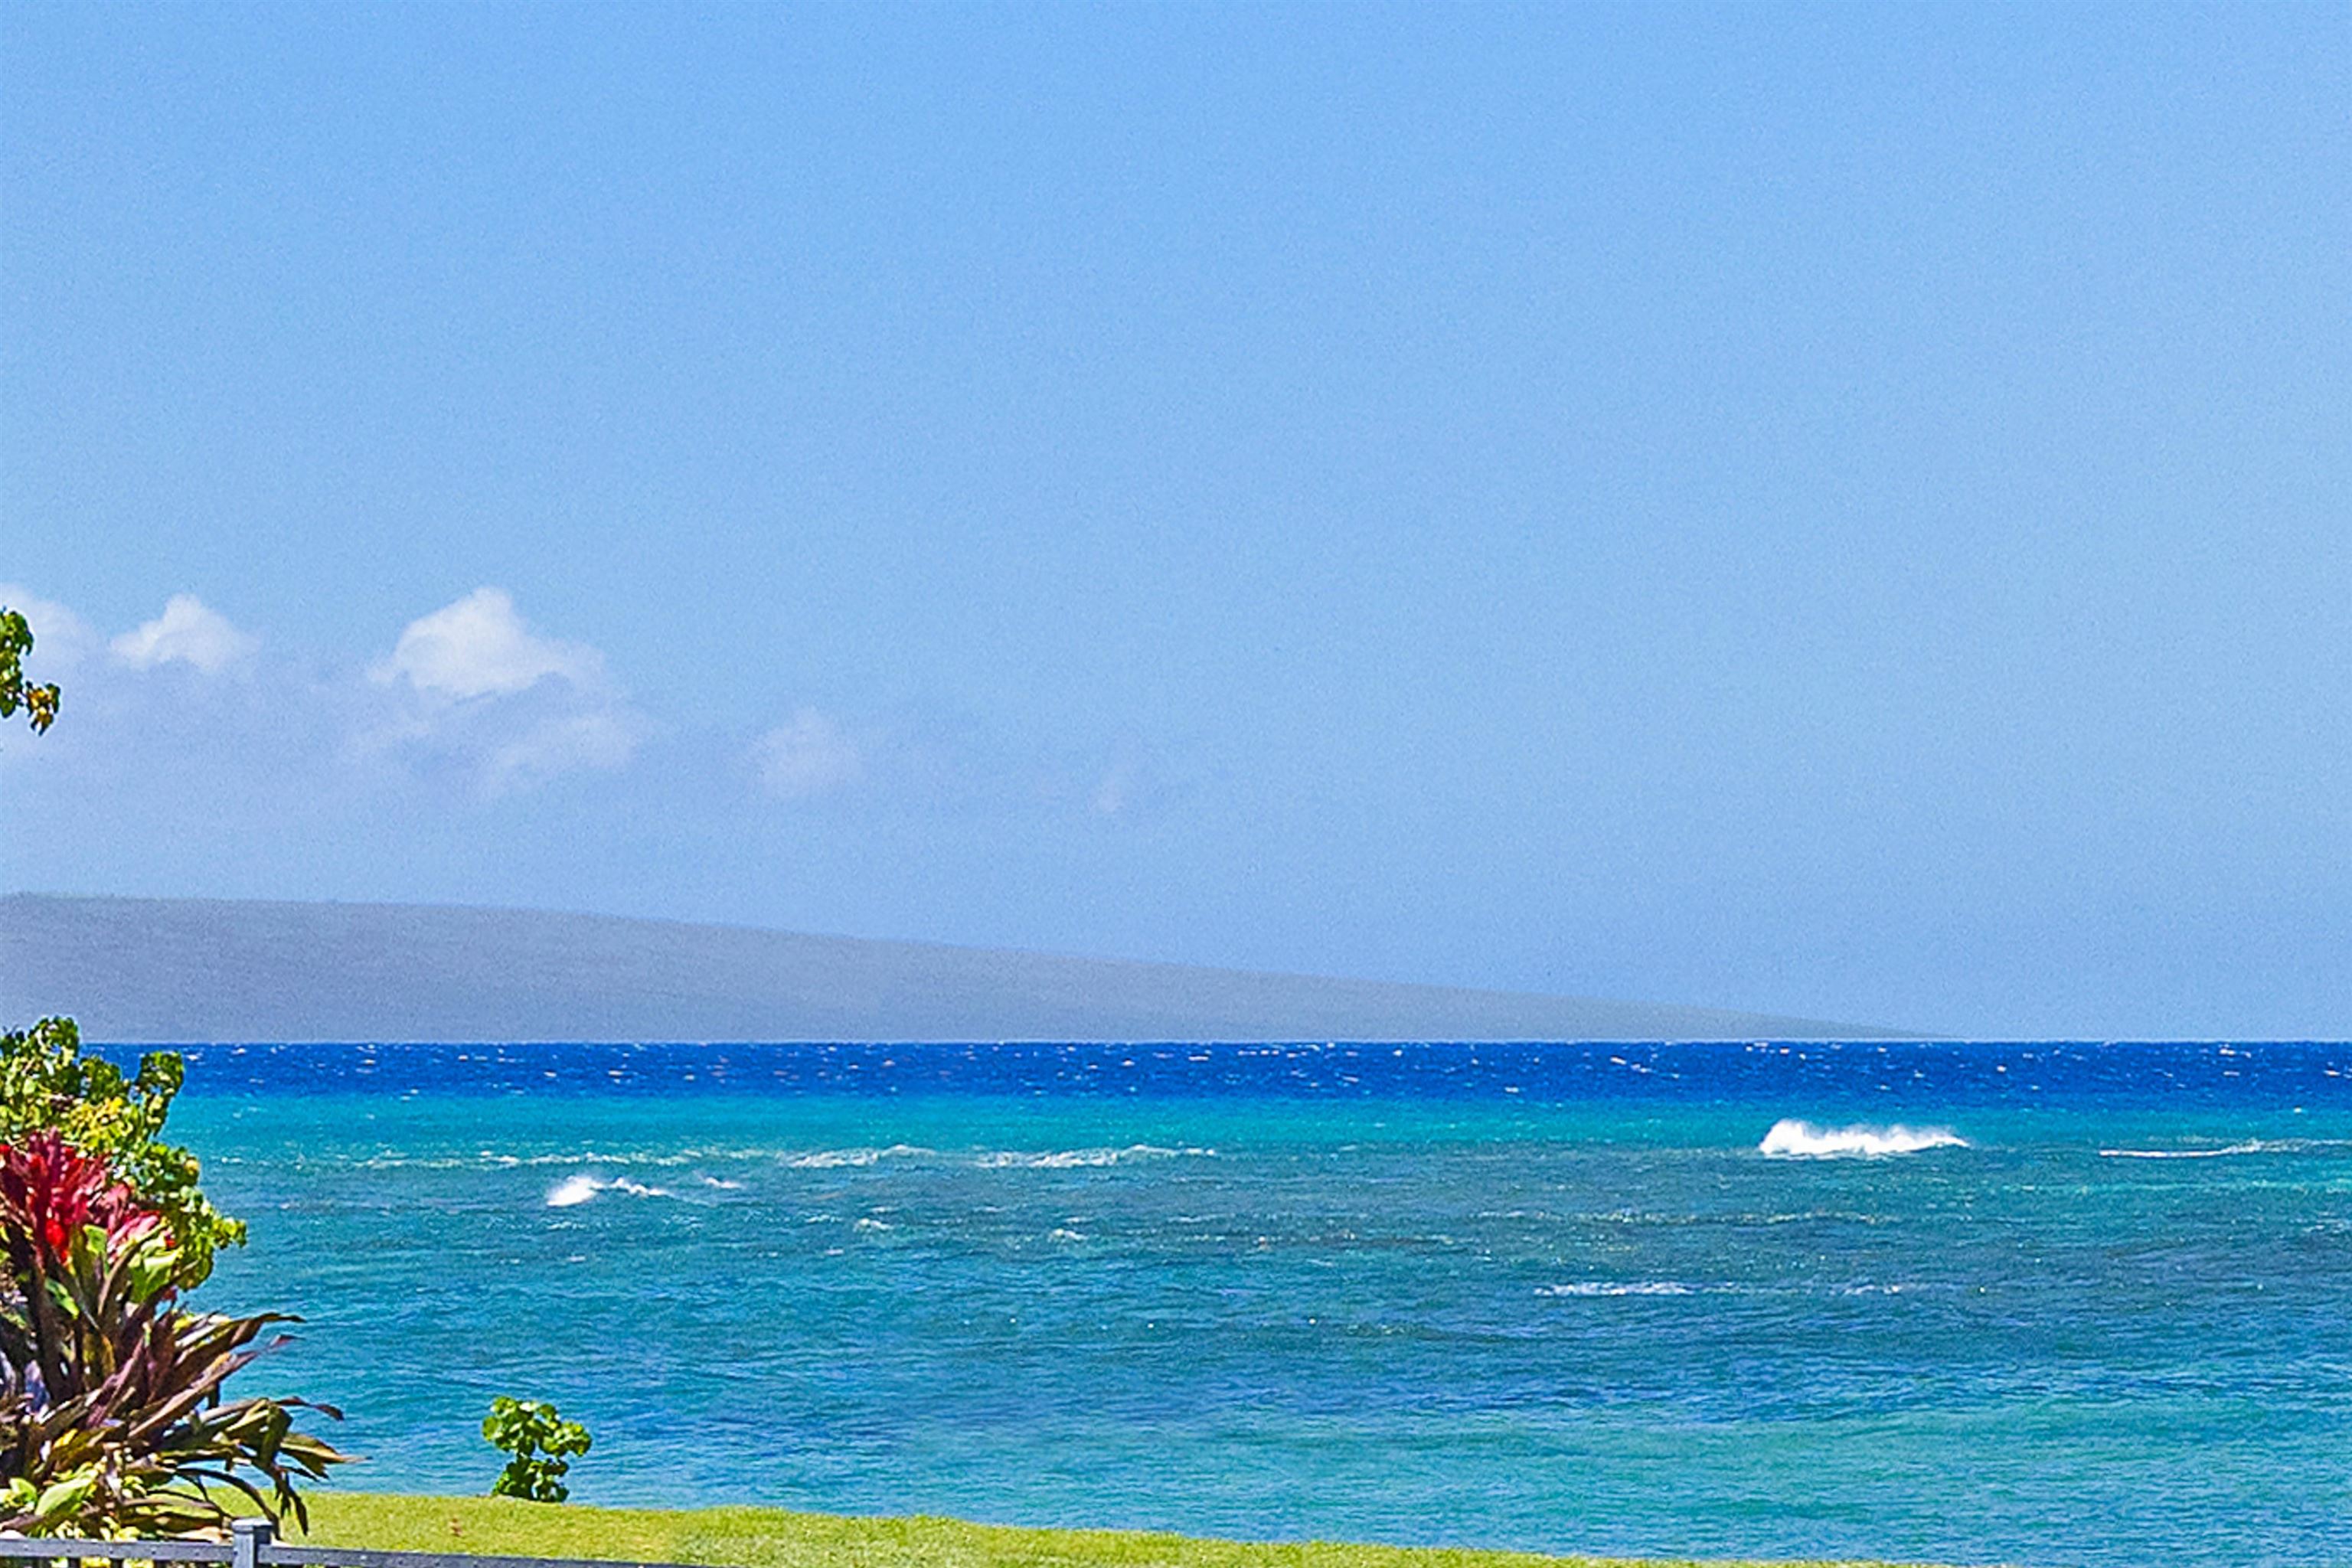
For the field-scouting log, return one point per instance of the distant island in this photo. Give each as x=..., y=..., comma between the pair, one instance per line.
x=138, y=971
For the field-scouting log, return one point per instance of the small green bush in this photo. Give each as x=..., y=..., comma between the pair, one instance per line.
x=539, y=1444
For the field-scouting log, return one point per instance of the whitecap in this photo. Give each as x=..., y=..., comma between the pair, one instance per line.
x=1794, y=1140
x=1074, y=1159
x=2250, y=1146
x=585, y=1157
x=834, y=1159
x=637, y=1189
x=574, y=1191
x=1618, y=1288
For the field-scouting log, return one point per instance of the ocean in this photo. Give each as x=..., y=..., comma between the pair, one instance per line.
x=1965, y=1303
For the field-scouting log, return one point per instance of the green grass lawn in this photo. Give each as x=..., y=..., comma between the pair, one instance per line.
x=772, y=1538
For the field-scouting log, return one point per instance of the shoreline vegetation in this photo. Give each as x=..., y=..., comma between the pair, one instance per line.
x=739, y=1537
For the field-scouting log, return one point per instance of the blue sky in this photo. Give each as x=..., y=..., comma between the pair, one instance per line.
x=1844, y=512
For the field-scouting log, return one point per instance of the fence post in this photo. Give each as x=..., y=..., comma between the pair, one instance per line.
x=247, y=1537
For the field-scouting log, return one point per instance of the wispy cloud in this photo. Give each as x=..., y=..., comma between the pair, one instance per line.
x=809, y=756
x=1138, y=784
x=1115, y=790
x=605, y=738
x=188, y=632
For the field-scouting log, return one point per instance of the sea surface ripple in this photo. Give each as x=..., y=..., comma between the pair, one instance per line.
x=2039, y=1304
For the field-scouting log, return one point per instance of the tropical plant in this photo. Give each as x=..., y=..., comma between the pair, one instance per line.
x=539, y=1444
x=40, y=703
x=111, y=1419
x=47, y=1084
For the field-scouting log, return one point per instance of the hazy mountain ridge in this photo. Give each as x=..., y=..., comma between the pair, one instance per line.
x=161, y=970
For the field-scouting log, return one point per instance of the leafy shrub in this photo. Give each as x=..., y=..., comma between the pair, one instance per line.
x=112, y=1420
x=47, y=1085
x=539, y=1442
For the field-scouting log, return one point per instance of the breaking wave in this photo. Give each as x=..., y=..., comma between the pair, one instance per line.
x=1794, y=1140
x=574, y=1191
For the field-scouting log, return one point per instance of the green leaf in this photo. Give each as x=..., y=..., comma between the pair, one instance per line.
x=61, y=1498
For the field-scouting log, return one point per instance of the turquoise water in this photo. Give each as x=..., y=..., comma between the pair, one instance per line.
x=2098, y=1311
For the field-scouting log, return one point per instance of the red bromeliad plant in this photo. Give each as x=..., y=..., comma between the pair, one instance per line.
x=112, y=1420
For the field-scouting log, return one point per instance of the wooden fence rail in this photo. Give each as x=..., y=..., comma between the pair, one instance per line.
x=253, y=1543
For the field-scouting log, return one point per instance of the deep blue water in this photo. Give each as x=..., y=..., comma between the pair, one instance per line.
x=2093, y=1305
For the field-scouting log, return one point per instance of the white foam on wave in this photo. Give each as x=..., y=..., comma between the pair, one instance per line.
x=637, y=1190
x=835, y=1159
x=994, y=1159
x=1794, y=1140
x=2250, y=1146
x=1618, y=1288
x=585, y=1157
x=1074, y=1159
x=574, y=1191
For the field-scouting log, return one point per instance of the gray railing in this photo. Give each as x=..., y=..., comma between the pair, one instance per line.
x=254, y=1543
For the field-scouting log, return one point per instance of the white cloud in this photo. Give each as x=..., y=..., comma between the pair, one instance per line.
x=480, y=648
x=61, y=639
x=189, y=631
x=475, y=687
x=810, y=756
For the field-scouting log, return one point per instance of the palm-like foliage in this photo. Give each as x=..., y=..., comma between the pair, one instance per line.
x=111, y=1419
